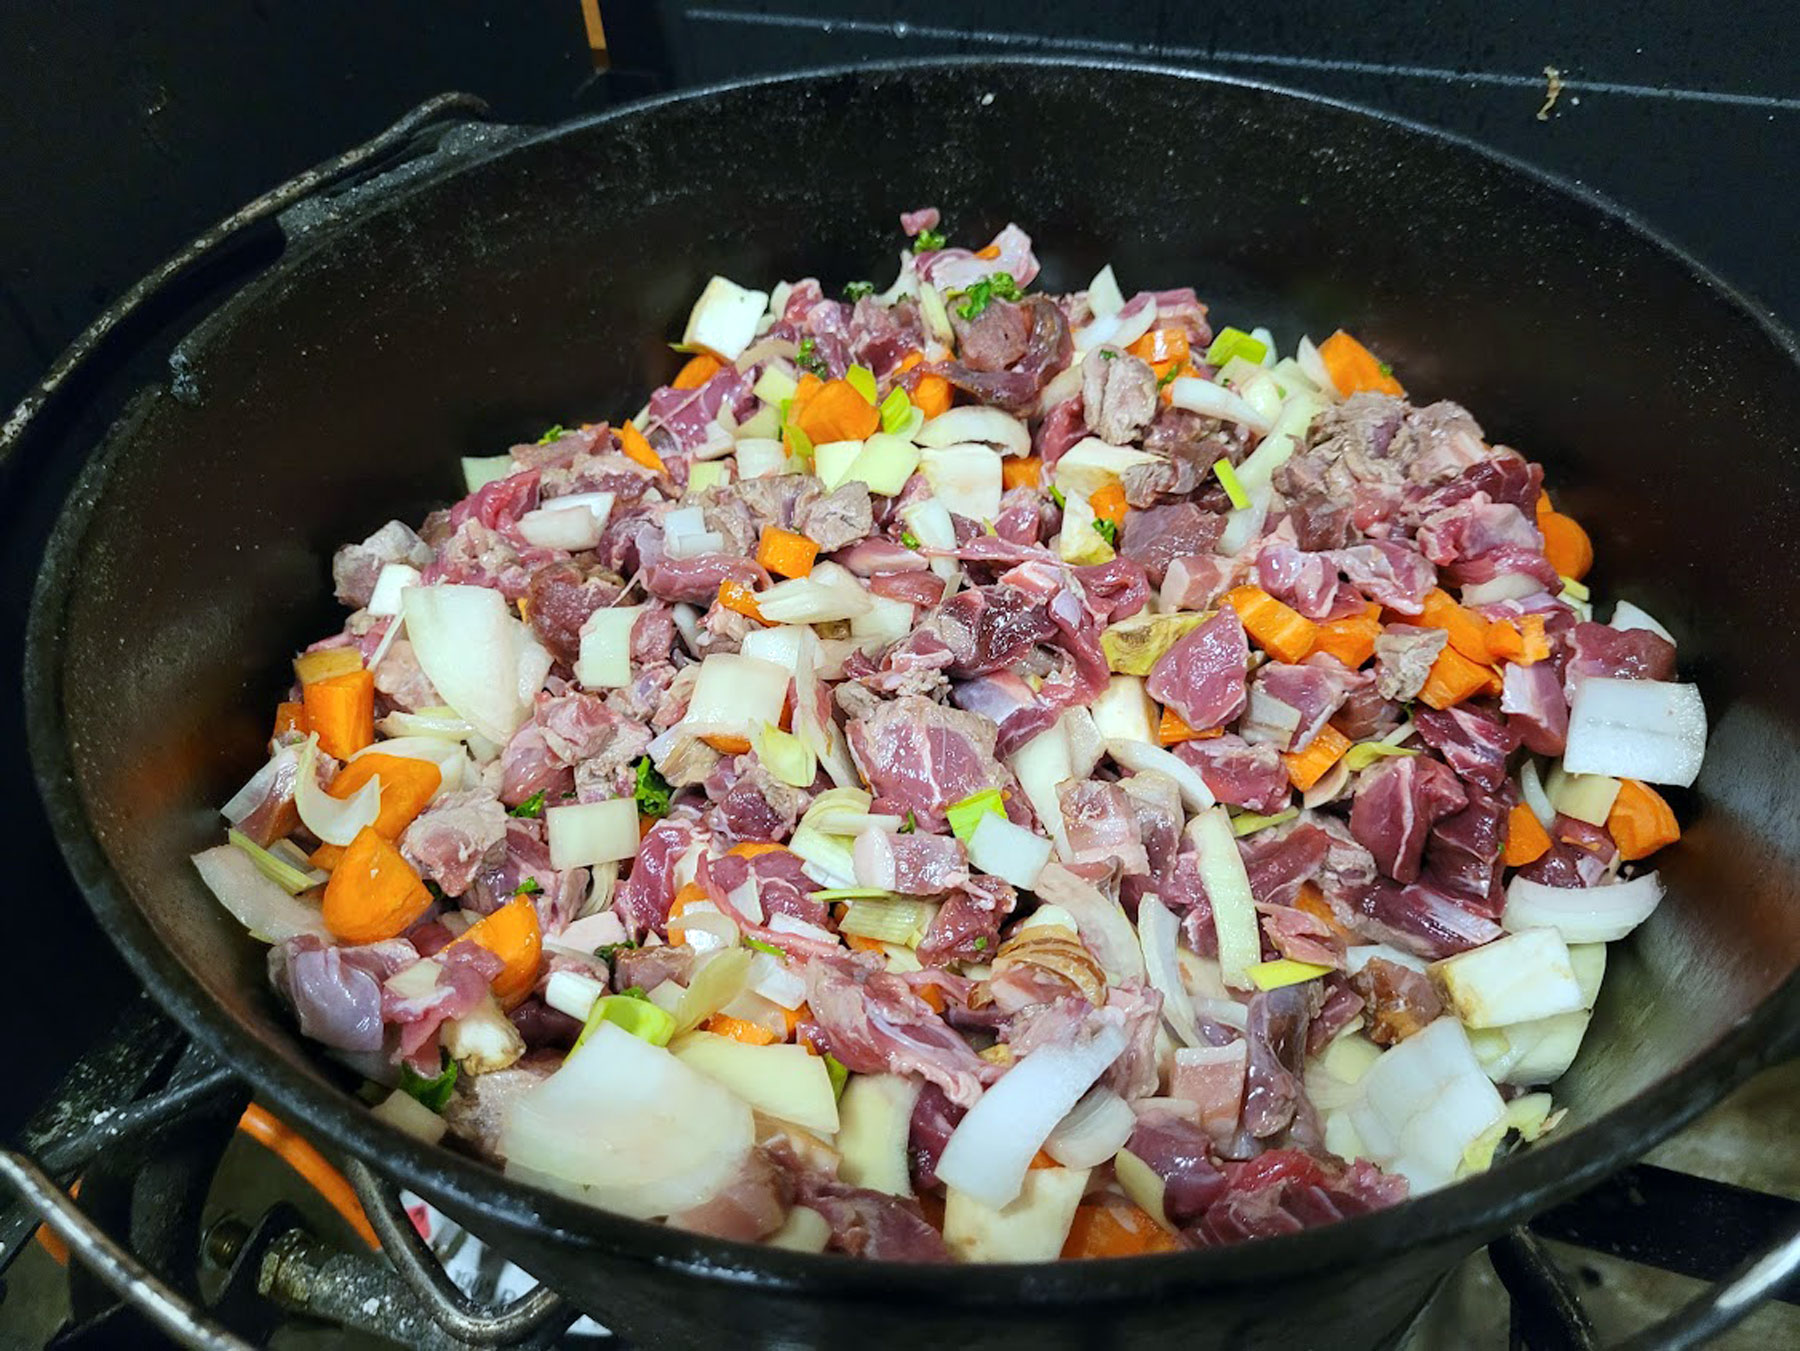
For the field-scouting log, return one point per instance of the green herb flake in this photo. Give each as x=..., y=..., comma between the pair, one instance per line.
x=839, y=1074
x=910, y=825
x=761, y=946
x=927, y=240
x=529, y=887
x=981, y=943
x=653, y=792
x=607, y=952
x=1386, y=368
x=1170, y=375
x=1107, y=530
x=531, y=808
x=1109, y=354
x=1057, y=497
x=856, y=290
x=909, y=539
x=998, y=286
x=808, y=358
x=553, y=434
x=433, y=1092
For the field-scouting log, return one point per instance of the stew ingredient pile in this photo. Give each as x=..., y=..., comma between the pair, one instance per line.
x=972, y=773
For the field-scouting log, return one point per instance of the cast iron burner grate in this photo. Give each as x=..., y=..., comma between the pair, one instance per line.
x=143, y=1121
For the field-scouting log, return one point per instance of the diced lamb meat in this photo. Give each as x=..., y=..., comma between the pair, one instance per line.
x=1278, y=862
x=696, y=580
x=1623, y=654
x=1202, y=676
x=839, y=518
x=1399, y=1000
x=1397, y=803
x=1196, y=582
x=1438, y=442
x=872, y=1224
x=644, y=897
x=356, y=567
x=1474, y=741
x=455, y=837
x=1404, y=654
x=1301, y=936
x=403, y=681
x=1015, y=389
x=1179, y=1153
x=1239, y=774
x=1416, y=918
x=994, y=339
x=1366, y=713
x=967, y=925
x=1061, y=428
x=480, y=1103
x=1462, y=855
x=1532, y=699
x=777, y=499
x=1276, y=1036
x=560, y=598
x=1291, y=704
x=1157, y=813
x=1118, y=394
x=1389, y=573
x=1100, y=825
x=1154, y=537
x=921, y=757
x=751, y=804
x=874, y=1024
x=1307, y=582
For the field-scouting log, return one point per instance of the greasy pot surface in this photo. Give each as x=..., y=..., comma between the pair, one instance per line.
x=542, y=283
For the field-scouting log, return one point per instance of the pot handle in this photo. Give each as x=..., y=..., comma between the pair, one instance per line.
x=1554, y=1319
x=434, y=116
x=424, y=1274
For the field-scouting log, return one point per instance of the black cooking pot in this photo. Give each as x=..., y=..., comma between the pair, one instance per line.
x=540, y=281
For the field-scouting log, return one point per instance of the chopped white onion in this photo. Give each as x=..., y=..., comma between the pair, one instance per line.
x=392, y=580
x=1507, y=586
x=735, y=695
x=604, y=659
x=1095, y=1129
x=760, y=457
x=573, y=993
x=1134, y=320
x=560, y=525
x=685, y=534
x=251, y=795
x=1203, y=396
x=1313, y=365
x=991, y=1148
x=1423, y=1103
x=1040, y=765
x=267, y=911
x=724, y=319
x=628, y=1127
x=594, y=930
x=1533, y=1053
x=1092, y=464
x=479, y=472
x=1243, y=524
x=1628, y=616
x=828, y=859
x=966, y=478
x=1515, y=979
x=1582, y=914
x=476, y=654
x=1636, y=729
x=818, y=730
x=450, y=757
x=334, y=820
x=1140, y=756
x=1228, y=888
x=1007, y=851
x=1103, y=295
x=405, y=1112
x=1124, y=711
x=585, y=833
x=1159, y=933
x=1289, y=423
x=814, y=599
x=978, y=424
x=930, y=523
x=1099, y=919
x=1531, y=788
x=776, y=982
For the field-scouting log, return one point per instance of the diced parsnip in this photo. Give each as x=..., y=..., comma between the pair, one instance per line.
x=1125, y=712
x=604, y=661
x=832, y=461
x=1133, y=646
x=804, y=1230
x=783, y=1081
x=723, y=321
x=774, y=385
x=1515, y=979
x=585, y=833
x=1033, y=1228
x=965, y=478
x=483, y=1039
x=1143, y=1185
x=1092, y=464
x=875, y=1127
x=735, y=695
x=479, y=472
x=400, y=1109
x=886, y=461
x=1586, y=797
x=1080, y=541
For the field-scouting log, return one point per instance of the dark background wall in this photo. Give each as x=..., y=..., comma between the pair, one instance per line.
x=125, y=129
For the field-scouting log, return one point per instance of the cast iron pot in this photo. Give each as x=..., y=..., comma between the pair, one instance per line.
x=540, y=279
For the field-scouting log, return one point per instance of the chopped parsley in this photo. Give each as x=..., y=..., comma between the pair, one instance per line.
x=531, y=807
x=553, y=434
x=928, y=240
x=1109, y=354
x=1385, y=368
x=653, y=790
x=910, y=825
x=1107, y=530
x=909, y=539
x=761, y=946
x=1170, y=374
x=529, y=887
x=612, y=950
x=808, y=358
x=999, y=286
x=433, y=1092
x=635, y=992
x=856, y=290
x=981, y=943
x=1057, y=497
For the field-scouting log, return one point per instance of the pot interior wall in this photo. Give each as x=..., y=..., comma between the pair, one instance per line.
x=542, y=286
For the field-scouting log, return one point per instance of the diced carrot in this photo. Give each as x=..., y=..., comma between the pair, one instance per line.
x=697, y=372
x=341, y=710
x=1543, y=505
x=794, y=1017
x=838, y=412
x=1521, y=641
x=932, y=996
x=1312, y=900
x=290, y=716
x=736, y=596
x=406, y=786
x=907, y=362
x=989, y=251
x=785, y=553
x=861, y=944
x=1353, y=367
x=1109, y=504
x=637, y=448
x=1453, y=678
x=931, y=395
x=1566, y=545
x=1640, y=821
x=1025, y=472
x=1468, y=631
x=1526, y=839
x=727, y=744
x=325, y=663
x=512, y=933
x=1350, y=640
x=326, y=856
x=374, y=892
x=1162, y=345
x=1115, y=1228
x=1307, y=767
x=1173, y=730
x=1282, y=632
x=740, y=1029
x=690, y=894
x=753, y=848
x=1043, y=1160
